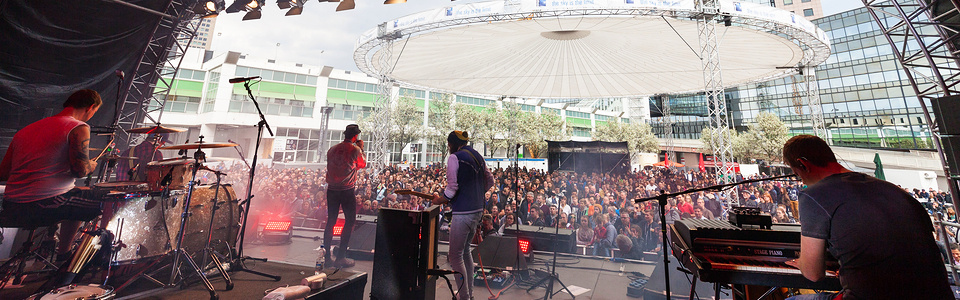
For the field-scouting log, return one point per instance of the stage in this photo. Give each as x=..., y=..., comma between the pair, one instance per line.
x=587, y=277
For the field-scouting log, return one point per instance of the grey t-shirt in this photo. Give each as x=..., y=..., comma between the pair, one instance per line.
x=882, y=237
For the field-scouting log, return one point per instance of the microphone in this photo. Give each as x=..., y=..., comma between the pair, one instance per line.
x=119, y=74
x=242, y=79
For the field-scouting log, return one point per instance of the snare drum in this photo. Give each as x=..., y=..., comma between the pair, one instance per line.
x=179, y=169
x=72, y=292
x=123, y=186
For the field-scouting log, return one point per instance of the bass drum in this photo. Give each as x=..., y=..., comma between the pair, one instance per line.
x=72, y=292
x=226, y=219
x=139, y=223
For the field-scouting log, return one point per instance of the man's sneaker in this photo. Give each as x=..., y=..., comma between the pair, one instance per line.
x=344, y=262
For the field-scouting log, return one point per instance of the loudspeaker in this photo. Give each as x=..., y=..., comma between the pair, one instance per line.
x=343, y=284
x=406, y=247
x=951, y=148
x=945, y=112
x=499, y=252
x=542, y=238
x=362, y=241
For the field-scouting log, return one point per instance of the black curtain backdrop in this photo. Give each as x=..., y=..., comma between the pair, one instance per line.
x=587, y=157
x=49, y=49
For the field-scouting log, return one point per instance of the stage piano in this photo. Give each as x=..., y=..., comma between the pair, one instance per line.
x=719, y=252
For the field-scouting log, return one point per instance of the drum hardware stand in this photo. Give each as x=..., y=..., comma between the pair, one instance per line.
x=238, y=263
x=207, y=250
x=179, y=252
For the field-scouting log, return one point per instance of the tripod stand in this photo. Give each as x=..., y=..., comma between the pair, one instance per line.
x=238, y=263
x=547, y=282
x=207, y=250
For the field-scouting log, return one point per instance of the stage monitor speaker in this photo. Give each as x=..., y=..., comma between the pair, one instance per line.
x=498, y=252
x=542, y=238
x=951, y=148
x=362, y=241
x=945, y=112
x=406, y=247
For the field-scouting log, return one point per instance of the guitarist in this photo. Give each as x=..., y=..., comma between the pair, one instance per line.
x=467, y=180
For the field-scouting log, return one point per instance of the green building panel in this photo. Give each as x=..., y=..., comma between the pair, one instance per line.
x=579, y=122
x=350, y=98
x=184, y=88
x=279, y=90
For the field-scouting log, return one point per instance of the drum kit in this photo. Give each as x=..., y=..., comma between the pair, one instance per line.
x=170, y=215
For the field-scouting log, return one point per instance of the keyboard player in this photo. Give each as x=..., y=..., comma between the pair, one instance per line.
x=881, y=236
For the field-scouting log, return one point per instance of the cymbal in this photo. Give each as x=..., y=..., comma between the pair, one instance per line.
x=198, y=146
x=156, y=129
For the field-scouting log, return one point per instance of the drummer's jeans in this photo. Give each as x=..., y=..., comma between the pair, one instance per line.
x=336, y=200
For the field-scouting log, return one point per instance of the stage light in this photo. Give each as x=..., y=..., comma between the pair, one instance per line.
x=252, y=7
x=346, y=5
x=209, y=8
x=338, y=227
x=285, y=4
x=524, y=246
x=277, y=231
x=394, y=1
x=295, y=6
x=277, y=226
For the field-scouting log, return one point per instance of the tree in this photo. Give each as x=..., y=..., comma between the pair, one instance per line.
x=767, y=136
x=536, y=129
x=639, y=137
x=440, y=123
x=407, y=121
x=734, y=139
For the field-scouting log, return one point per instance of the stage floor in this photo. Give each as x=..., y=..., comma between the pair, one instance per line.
x=587, y=277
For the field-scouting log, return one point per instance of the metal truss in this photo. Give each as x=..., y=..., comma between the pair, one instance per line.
x=812, y=92
x=155, y=73
x=924, y=36
x=380, y=154
x=668, y=139
x=713, y=81
x=819, y=49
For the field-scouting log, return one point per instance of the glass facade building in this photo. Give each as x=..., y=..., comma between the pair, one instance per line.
x=866, y=97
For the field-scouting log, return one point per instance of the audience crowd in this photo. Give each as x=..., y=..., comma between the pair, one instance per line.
x=600, y=208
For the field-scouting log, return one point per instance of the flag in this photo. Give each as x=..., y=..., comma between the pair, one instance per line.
x=879, y=167
x=702, y=167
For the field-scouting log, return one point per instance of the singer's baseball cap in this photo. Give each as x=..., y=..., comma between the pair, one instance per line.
x=351, y=130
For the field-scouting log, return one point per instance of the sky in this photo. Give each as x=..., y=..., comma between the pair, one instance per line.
x=322, y=36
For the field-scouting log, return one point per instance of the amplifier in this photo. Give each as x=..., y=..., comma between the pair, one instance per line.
x=542, y=238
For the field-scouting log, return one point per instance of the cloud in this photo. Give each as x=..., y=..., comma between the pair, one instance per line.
x=319, y=28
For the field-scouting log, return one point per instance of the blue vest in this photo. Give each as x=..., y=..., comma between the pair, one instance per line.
x=469, y=197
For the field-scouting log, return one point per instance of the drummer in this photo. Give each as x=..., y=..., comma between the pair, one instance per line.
x=43, y=162
x=145, y=152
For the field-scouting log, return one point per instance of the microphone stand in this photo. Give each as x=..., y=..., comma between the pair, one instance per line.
x=662, y=201
x=238, y=263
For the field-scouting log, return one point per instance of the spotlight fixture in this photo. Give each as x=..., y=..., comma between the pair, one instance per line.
x=346, y=5
x=295, y=6
x=209, y=8
x=727, y=21
x=394, y=1
x=252, y=7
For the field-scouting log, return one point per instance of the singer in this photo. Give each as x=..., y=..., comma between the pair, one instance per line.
x=43, y=162
x=343, y=163
x=467, y=180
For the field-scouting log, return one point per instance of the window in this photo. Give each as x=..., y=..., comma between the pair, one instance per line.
x=808, y=12
x=787, y=2
x=805, y=1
